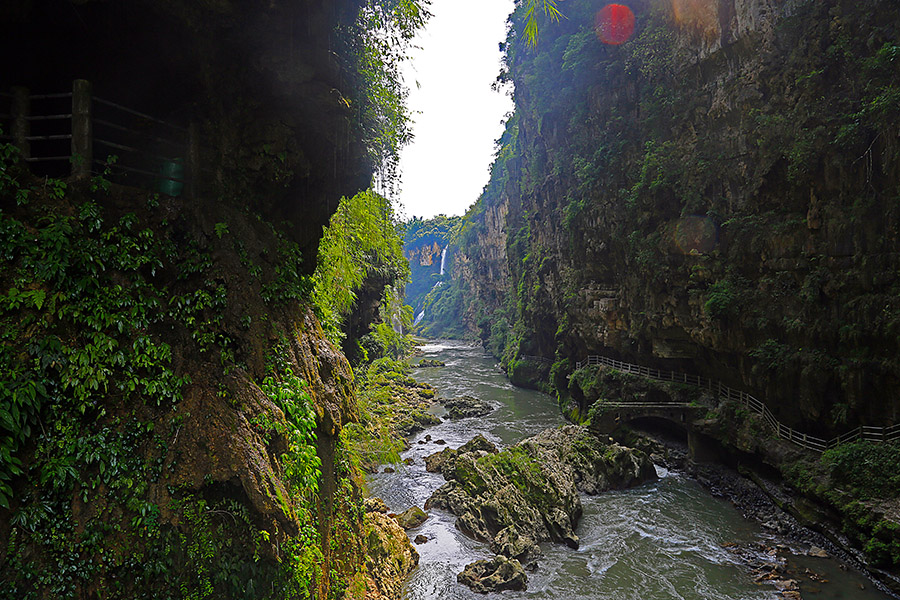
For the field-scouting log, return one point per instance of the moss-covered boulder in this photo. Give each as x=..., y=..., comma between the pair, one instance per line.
x=435, y=463
x=390, y=556
x=412, y=517
x=466, y=406
x=430, y=362
x=534, y=486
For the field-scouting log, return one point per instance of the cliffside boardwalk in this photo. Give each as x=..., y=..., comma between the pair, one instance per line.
x=782, y=431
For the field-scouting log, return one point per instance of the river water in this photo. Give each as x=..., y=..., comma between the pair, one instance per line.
x=666, y=540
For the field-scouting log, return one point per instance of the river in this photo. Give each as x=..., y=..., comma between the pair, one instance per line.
x=666, y=540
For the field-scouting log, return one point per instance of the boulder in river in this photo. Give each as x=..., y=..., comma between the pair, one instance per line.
x=411, y=517
x=430, y=362
x=495, y=575
x=534, y=486
x=509, y=542
x=434, y=463
x=415, y=421
x=466, y=406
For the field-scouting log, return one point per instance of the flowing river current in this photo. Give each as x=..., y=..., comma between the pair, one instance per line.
x=666, y=540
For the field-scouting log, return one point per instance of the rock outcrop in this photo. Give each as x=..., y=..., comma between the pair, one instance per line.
x=495, y=575
x=429, y=362
x=389, y=557
x=412, y=517
x=465, y=406
x=529, y=493
x=436, y=462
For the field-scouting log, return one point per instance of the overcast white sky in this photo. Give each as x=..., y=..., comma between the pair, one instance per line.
x=457, y=115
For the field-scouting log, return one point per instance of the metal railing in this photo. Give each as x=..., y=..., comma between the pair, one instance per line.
x=80, y=132
x=782, y=431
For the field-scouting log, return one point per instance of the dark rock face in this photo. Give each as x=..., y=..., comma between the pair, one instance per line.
x=267, y=83
x=466, y=406
x=530, y=493
x=495, y=575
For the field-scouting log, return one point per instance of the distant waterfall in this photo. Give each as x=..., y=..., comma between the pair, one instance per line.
x=443, y=259
x=419, y=318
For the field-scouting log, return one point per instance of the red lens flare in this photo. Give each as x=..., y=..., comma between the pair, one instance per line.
x=614, y=24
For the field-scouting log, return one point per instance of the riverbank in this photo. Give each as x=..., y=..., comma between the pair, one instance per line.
x=799, y=554
x=847, y=496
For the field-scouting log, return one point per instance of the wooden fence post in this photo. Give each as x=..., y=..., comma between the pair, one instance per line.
x=82, y=130
x=21, y=128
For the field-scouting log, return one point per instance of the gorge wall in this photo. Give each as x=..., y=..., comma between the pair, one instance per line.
x=716, y=195
x=172, y=412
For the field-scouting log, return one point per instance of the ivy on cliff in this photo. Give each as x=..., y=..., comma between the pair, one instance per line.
x=361, y=241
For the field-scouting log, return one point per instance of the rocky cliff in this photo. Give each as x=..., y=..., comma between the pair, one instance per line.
x=717, y=194
x=172, y=412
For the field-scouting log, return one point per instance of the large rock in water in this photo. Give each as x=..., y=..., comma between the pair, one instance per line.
x=411, y=517
x=466, y=406
x=529, y=493
x=495, y=575
x=436, y=462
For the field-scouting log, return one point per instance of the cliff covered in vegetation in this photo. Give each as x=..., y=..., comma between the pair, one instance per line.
x=173, y=417
x=718, y=194
x=426, y=245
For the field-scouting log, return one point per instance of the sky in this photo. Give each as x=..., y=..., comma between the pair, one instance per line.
x=456, y=115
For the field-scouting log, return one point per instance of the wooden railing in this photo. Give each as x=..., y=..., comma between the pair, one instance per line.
x=782, y=431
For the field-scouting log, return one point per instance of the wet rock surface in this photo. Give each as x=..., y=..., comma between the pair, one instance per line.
x=411, y=518
x=466, y=406
x=430, y=362
x=435, y=463
x=390, y=556
x=416, y=420
x=529, y=493
x=498, y=574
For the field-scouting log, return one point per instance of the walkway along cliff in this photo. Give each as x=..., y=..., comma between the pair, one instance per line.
x=715, y=196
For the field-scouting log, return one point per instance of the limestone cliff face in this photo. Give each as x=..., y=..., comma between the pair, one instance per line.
x=481, y=266
x=718, y=194
x=428, y=255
